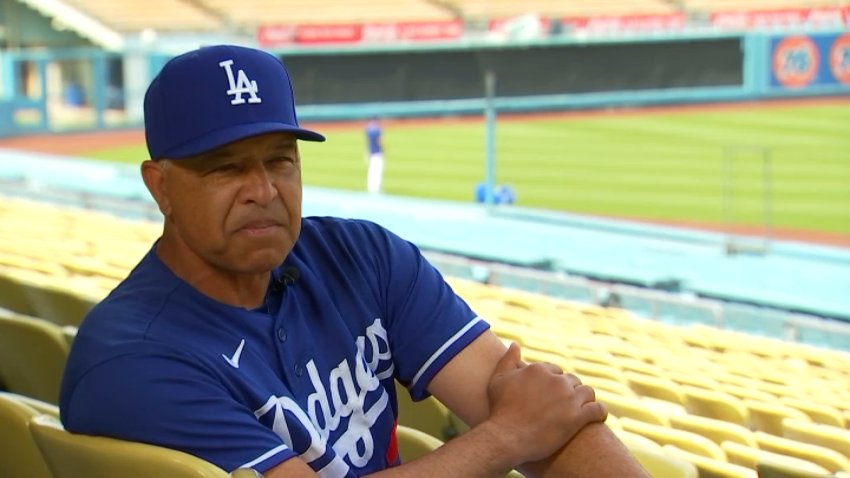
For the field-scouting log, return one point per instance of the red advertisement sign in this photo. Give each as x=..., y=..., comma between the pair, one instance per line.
x=670, y=21
x=743, y=20
x=347, y=33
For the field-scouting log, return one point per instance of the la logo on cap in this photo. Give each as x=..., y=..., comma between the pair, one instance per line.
x=240, y=85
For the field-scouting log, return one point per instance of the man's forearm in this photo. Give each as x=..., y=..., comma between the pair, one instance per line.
x=481, y=452
x=594, y=452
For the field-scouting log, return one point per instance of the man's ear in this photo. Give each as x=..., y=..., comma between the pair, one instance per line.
x=153, y=175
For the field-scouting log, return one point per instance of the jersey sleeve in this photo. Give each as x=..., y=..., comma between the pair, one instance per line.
x=428, y=324
x=169, y=400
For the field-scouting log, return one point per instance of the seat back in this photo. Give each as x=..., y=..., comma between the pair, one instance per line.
x=32, y=357
x=632, y=407
x=776, y=470
x=19, y=455
x=716, y=430
x=710, y=468
x=685, y=440
x=751, y=457
x=413, y=443
x=71, y=455
x=768, y=416
x=658, y=464
x=429, y=415
x=717, y=405
x=825, y=457
x=828, y=436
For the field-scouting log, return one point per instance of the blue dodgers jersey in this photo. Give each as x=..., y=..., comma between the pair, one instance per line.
x=309, y=375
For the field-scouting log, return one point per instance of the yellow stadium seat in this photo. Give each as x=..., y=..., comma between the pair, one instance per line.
x=429, y=416
x=608, y=385
x=818, y=412
x=59, y=305
x=751, y=457
x=73, y=456
x=708, y=467
x=715, y=430
x=582, y=368
x=413, y=443
x=827, y=436
x=825, y=457
x=631, y=407
x=13, y=295
x=42, y=407
x=663, y=435
x=714, y=404
x=19, y=455
x=768, y=416
x=659, y=464
x=784, y=470
x=689, y=378
x=633, y=440
x=32, y=357
x=70, y=333
x=656, y=387
x=746, y=391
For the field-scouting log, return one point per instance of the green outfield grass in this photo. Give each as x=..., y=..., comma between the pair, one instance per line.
x=663, y=166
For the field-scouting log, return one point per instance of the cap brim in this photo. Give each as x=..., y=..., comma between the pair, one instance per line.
x=230, y=134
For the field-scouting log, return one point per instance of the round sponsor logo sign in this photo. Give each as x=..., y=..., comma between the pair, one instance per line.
x=839, y=58
x=796, y=61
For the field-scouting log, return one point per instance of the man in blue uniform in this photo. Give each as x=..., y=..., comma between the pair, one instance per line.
x=252, y=337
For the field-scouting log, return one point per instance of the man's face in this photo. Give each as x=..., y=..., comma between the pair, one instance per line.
x=236, y=209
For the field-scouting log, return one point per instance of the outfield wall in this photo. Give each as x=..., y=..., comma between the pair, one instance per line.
x=73, y=89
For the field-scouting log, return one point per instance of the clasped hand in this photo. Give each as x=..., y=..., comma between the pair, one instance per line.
x=538, y=407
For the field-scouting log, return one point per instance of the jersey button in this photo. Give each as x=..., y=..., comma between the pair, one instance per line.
x=281, y=334
x=299, y=371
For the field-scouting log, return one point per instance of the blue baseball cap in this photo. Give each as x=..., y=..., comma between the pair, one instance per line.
x=215, y=95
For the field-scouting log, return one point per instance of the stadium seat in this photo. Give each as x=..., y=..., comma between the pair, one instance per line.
x=429, y=416
x=413, y=443
x=662, y=435
x=768, y=416
x=835, y=438
x=659, y=464
x=818, y=412
x=825, y=457
x=714, y=404
x=742, y=392
x=73, y=456
x=60, y=305
x=608, y=385
x=19, y=455
x=70, y=333
x=715, y=430
x=783, y=470
x=42, y=407
x=750, y=457
x=708, y=467
x=656, y=387
x=631, y=407
x=32, y=357
x=582, y=368
x=13, y=295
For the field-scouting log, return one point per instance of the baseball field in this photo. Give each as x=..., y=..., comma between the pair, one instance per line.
x=787, y=162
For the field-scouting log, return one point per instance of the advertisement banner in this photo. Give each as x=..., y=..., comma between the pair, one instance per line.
x=803, y=61
x=625, y=23
x=270, y=36
x=825, y=17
